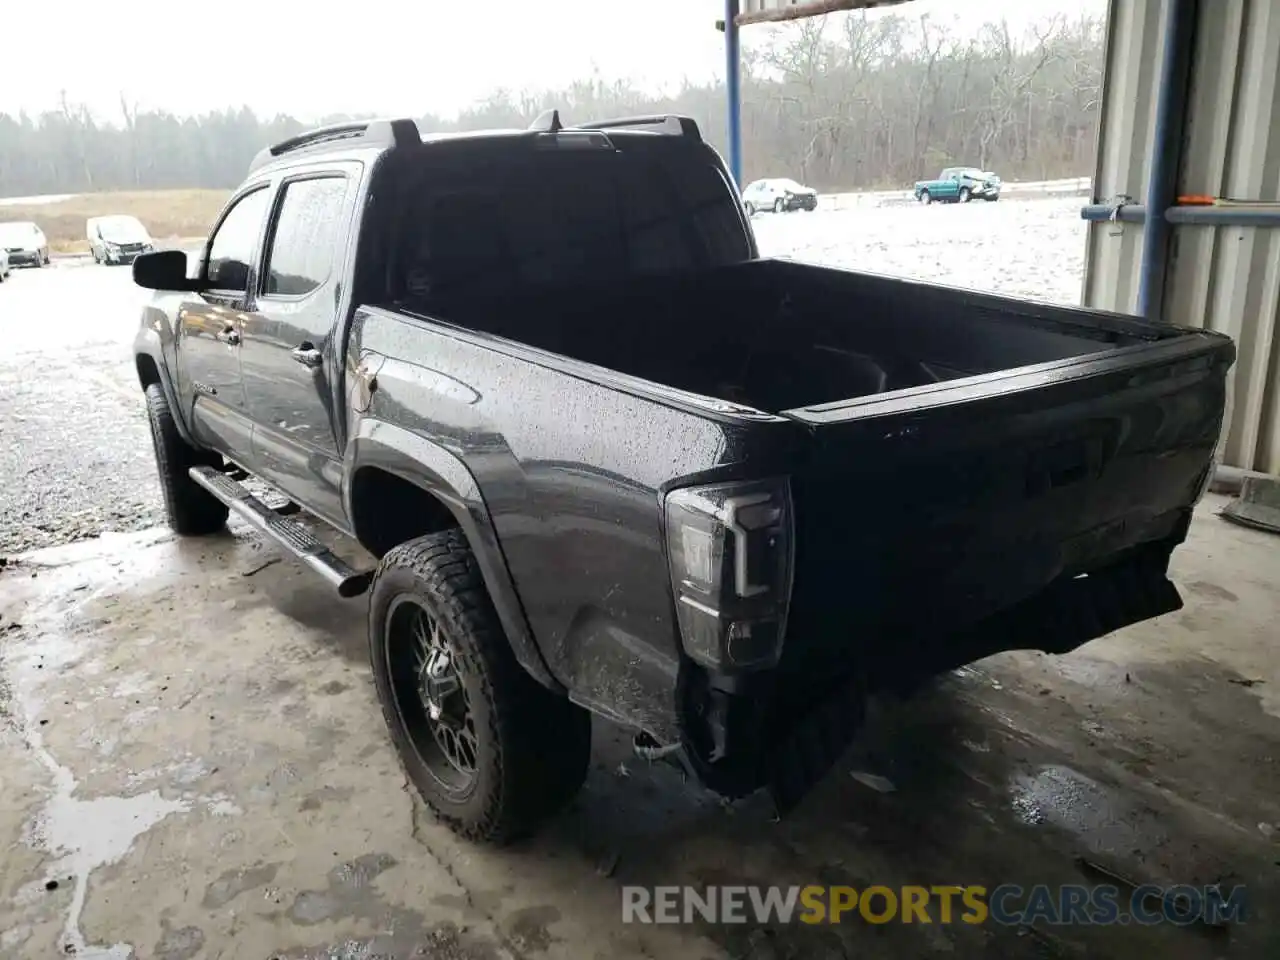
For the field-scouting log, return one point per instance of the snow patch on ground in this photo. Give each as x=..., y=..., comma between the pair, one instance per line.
x=1032, y=249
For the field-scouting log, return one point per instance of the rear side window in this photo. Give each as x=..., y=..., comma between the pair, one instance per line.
x=519, y=216
x=305, y=237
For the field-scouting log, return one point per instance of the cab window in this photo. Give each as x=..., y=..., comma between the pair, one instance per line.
x=305, y=237
x=232, y=246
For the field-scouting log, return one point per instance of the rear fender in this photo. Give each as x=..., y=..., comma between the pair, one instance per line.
x=428, y=466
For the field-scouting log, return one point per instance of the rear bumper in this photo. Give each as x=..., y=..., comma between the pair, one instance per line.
x=785, y=731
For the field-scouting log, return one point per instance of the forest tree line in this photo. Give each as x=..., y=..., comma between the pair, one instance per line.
x=842, y=102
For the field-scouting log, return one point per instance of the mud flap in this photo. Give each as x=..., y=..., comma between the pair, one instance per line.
x=812, y=746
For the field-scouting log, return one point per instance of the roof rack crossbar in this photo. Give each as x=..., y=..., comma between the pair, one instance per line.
x=660, y=123
x=388, y=133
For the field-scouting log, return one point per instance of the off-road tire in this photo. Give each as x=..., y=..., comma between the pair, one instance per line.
x=533, y=746
x=191, y=510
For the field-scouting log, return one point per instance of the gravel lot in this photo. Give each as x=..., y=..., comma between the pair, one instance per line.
x=77, y=458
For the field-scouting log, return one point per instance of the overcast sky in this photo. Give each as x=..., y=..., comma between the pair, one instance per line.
x=390, y=56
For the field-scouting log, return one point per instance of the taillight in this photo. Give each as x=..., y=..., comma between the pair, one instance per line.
x=730, y=548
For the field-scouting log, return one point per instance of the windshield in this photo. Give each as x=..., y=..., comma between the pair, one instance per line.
x=16, y=234
x=122, y=229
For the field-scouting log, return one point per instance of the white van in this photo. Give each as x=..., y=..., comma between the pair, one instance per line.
x=118, y=238
x=25, y=243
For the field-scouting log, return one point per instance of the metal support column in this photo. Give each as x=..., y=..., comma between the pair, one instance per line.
x=1162, y=182
x=733, y=87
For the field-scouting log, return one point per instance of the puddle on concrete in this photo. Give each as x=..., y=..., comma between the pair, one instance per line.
x=235, y=882
x=88, y=834
x=180, y=944
x=348, y=893
x=444, y=942
x=82, y=834
x=1060, y=797
x=527, y=929
x=105, y=545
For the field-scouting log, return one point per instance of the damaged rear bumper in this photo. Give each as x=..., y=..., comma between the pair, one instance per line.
x=784, y=733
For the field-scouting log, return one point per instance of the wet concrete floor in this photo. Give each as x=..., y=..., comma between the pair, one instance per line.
x=194, y=767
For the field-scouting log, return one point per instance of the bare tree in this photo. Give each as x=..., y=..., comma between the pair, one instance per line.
x=847, y=101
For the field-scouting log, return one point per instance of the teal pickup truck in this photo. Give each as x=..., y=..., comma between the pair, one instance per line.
x=959, y=185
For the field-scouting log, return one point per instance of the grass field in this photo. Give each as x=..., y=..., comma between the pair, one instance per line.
x=167, y=214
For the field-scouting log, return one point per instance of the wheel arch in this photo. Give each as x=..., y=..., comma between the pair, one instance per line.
x=400, y=486
x=149, y=362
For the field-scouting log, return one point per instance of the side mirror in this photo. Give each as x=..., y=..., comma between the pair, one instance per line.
x=166, y=270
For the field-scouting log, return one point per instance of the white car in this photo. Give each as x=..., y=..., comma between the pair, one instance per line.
x=119, y=238
x=24, y=242
x=780, y=195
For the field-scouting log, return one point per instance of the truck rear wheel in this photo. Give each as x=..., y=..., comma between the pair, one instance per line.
x=491, y=751
x=191, y=510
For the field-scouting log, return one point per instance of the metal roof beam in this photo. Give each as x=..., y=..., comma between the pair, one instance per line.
x=774, y=11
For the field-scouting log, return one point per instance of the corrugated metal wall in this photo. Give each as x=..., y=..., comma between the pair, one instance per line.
x=1222, y=278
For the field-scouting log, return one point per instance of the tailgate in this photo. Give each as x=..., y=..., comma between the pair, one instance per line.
x=922, y=512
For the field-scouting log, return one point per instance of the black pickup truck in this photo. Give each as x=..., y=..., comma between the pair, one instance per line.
x=612, y=461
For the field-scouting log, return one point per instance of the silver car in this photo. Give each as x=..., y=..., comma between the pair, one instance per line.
x=780, y=194
x=25, y=243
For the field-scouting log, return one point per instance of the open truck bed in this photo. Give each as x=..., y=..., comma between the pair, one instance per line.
x=780, y=335
x=961, y=452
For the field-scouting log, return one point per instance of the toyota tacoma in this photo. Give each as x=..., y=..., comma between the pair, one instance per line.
x=612, y=462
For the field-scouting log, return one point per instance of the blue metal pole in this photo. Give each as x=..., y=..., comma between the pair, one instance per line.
x=1162, y=184
x=733, y=87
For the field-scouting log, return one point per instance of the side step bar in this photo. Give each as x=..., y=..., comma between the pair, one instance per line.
x=289, y=534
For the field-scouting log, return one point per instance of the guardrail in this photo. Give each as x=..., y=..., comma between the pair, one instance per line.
x=1075, y=186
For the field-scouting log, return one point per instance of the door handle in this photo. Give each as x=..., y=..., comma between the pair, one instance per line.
x=307, y=355
x=229, y=335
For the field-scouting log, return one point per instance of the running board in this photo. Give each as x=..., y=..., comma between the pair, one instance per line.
x=290, y=534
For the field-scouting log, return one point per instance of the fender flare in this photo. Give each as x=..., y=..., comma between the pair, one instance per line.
x=441, y=473
x=148, y=344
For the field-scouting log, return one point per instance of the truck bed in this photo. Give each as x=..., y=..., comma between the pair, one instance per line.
x=966, y=461
x=778, y=336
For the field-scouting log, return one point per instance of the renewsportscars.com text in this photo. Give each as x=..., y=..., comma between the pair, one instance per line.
x=1008, y=904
